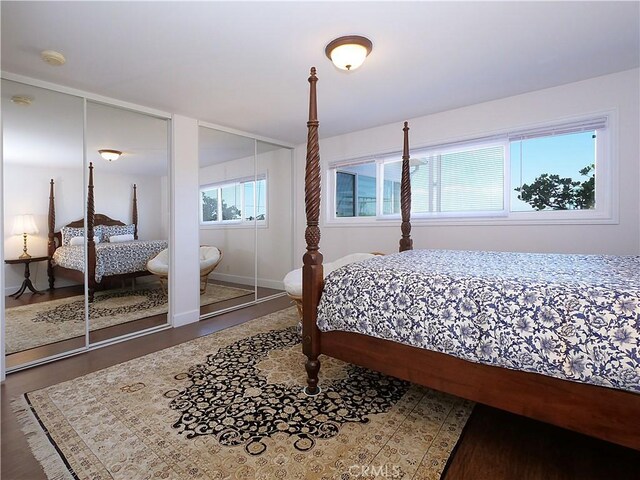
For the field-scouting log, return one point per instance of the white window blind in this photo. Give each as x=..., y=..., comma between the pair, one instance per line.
x=561, y=129
x=472, y=180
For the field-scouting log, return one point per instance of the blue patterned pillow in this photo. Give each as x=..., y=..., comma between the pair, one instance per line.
x=71, y=232
x=113, y=230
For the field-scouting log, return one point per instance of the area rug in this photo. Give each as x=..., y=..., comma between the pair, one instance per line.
x=42, y=323
x=231, y=405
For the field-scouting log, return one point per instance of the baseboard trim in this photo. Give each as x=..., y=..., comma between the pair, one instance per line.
x=242, y=280
x=185, y=318
x=275, y=284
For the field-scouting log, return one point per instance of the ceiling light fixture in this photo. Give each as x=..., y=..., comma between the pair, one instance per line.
x=22, y=100
x=349, y=52
x=53, y=58
x=109, y=154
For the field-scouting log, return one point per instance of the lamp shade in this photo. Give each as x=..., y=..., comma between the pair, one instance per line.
x=348, y=53
x=24, y=224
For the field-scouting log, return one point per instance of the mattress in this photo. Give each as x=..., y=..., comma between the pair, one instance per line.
x=575, y=317
x=111, y=258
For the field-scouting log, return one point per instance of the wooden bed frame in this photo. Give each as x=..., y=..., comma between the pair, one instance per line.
x=93, y=219
x=606, y=413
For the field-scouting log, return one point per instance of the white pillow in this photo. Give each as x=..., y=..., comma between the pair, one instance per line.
x=80, y=240
x=127, y=237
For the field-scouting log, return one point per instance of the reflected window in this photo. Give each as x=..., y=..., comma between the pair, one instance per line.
x=209, y=203
x=231, y=205
x=235, y=201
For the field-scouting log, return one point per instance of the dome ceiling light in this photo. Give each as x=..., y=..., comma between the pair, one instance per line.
x=111, y=155
x=349, y=52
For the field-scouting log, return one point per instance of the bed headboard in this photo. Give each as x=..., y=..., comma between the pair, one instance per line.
x=55, y=238
x=99, y=219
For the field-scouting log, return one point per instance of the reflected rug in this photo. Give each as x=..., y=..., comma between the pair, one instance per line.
x=42, y=323
x=230, y=405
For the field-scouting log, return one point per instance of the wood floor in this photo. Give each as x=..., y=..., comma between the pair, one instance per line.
x=494, y=446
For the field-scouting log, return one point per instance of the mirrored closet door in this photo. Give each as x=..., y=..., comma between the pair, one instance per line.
x=227, y=181
x=128, y=234
x=274, y=217
x=246, y=219
x=43, y=201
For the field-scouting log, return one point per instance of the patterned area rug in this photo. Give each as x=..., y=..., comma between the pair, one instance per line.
x=230, y=405
x=42, y=323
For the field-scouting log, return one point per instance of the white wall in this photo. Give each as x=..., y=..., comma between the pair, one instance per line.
x=618, y=92
x=184, y=278
x=26, y=190
x=114, y=198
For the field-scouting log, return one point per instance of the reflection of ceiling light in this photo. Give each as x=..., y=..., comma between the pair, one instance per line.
x=348, y=53
x=53, y=58
x=109, y=154
x=23, y=100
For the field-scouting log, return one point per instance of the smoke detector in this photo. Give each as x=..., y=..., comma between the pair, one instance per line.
x=23, y=100
x=53, y=58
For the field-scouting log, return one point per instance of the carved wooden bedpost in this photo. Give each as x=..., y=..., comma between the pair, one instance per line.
x=405, y=196
x=134, y=213
x=51, y=244
x=312, y=271
x=91, y=245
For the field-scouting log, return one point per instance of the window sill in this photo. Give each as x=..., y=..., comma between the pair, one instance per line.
x=234, y=225
x=515, y=219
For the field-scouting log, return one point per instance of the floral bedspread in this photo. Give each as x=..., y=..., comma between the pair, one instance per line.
x=575, y=317
x=111, y=258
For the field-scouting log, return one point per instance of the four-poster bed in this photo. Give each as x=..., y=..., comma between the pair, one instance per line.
x=114, y=252
x=608, y=413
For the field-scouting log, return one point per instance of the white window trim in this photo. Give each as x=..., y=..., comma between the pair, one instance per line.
x=237, y=223
x=607, y=196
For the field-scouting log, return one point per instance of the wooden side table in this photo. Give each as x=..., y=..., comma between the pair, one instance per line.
x=26, y=283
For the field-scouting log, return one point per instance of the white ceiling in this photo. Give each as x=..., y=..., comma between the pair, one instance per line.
x=245, y=64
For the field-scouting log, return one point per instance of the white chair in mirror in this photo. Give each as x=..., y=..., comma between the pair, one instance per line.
x=210, y=258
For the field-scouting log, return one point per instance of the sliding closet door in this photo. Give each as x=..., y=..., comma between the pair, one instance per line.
x=42, y=135
x=274, y=217
x=227, y=220
x=129, y=154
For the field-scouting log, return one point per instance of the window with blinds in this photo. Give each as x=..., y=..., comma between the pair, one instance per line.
x=544, y=172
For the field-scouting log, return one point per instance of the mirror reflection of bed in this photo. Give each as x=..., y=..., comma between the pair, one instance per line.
x=46, y=174
x=41, y=141
x=128, y=298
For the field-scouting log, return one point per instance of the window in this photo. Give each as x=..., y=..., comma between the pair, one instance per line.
x=241, y=201
x=554, y=173
x=356, y=191
x=462, y=180
x=255, y=202
x=209, y=205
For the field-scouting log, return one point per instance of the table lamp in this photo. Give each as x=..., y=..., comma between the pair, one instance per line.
x=24, y=225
